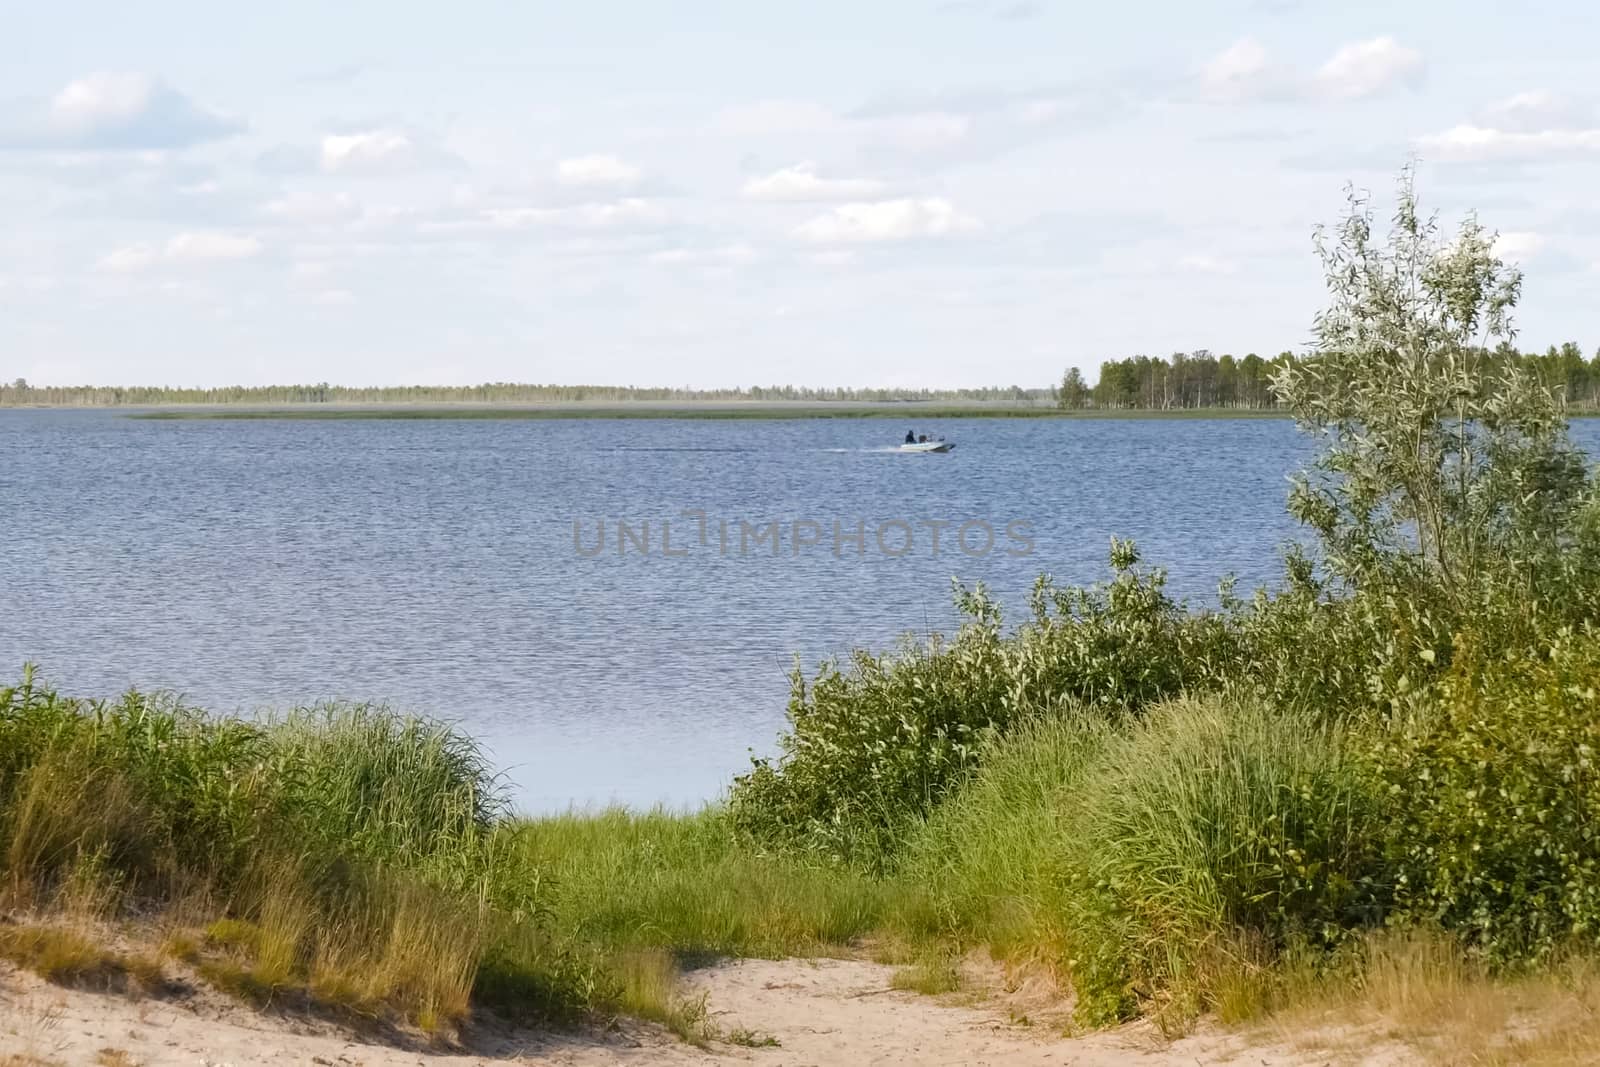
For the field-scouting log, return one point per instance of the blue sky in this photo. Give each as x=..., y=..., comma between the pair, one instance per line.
x=948, y=192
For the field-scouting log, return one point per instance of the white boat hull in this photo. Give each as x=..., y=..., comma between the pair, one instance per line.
x=928, y=446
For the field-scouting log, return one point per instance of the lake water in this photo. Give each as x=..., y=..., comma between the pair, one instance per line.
x=434, y=565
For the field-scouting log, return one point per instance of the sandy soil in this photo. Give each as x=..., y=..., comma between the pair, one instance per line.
x=819, y=1012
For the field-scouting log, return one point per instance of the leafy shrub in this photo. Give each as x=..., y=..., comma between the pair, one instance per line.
x=1494, y=782
x=1338, y=655
x=1119, y=645
x=874, y=746
x=1443, y=463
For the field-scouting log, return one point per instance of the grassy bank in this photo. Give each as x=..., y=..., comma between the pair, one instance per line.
x=1209, y=855
x=351, y=860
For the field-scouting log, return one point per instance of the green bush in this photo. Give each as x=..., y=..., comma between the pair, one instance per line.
x=1340, y=655
x=874, y=746
x=1208, y=838
x=1494, y=788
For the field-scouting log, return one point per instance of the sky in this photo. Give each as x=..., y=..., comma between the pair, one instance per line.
x=895, y=193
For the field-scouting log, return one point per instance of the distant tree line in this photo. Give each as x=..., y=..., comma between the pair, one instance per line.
x=1200, y=379
x=1197, y=379
x=20, y=393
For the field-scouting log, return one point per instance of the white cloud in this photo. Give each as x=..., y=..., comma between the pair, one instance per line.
x=209, y=245
x=1537, y=110
x=102, y=98
x=606, y=171
x=1245, y=72
x=1518, y=246
x=200, y=246
x=334, y=298
x=624, y=214
x=309, y=270
x=801, y=184
x=732, y=255
x=1207, y=264
x=1467, y=142
x=115, y=111
x=1238, y=72
x=131, y=258
x=887, y=220
x=1040, y=112
x=1527, y=126
x=313, y=208
x=1367, y=68
x=369, y=151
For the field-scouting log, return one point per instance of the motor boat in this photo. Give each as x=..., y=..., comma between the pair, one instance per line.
x=936, y=445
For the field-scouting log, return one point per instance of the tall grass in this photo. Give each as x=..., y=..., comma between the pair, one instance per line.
x=1424, y=992
x=346, y=851
x=687, y=884
x=1158, y=862
x=367, y=862
x=1207, y=840
x=987, y=867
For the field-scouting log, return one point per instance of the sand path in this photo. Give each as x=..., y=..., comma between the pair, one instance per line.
x=820, y=1012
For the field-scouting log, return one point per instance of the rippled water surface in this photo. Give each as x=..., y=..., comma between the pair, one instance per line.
x=433, y=565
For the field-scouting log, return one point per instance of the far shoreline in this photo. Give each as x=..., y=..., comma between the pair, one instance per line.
x=653, y=409
x=643, y=409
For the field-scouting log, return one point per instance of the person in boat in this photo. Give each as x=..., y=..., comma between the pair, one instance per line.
x=922, y=440
x=911, y=437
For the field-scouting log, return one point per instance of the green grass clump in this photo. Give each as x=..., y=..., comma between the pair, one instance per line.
x=1153, y=861
x=1205, y=841
x=66, y=955
x=747, y=1038
x=987, y=867
x=931, y=976
x=344, y=851
x=688, y=884
x=367, y=862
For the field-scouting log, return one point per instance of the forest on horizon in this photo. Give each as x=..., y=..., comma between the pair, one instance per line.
x=1199, y=380
x=1190, y=381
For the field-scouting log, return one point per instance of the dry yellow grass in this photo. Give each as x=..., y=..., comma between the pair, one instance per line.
x=1421, y=993
x=649, y=989
x=69, y=955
